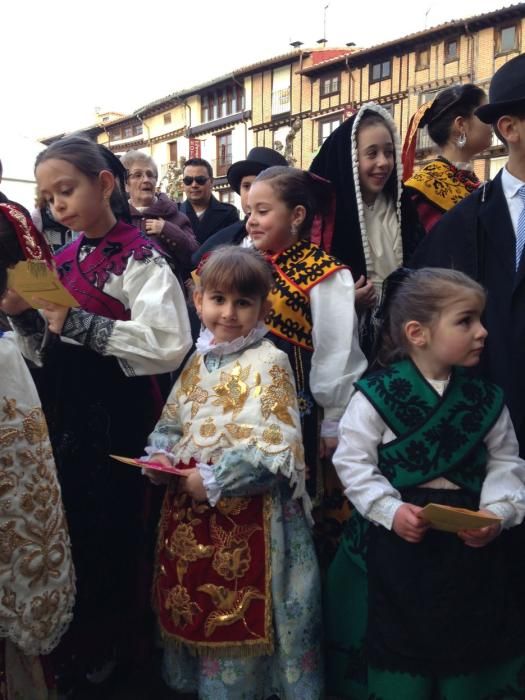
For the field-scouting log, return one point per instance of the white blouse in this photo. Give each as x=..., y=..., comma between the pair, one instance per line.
x=154, y=340
x=362, y=430
x=337, y=360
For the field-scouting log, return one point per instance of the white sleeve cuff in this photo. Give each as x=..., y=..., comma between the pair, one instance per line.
x=213, y=490
x=329, y=428
x=505, y=511
x=383, y=510
x=151, y=450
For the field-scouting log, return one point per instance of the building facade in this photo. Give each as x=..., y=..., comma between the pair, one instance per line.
x=294, y=101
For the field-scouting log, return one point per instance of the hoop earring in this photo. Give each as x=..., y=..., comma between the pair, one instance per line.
x=461, y=140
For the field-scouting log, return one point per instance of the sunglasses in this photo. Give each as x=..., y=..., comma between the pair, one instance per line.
x=199, y=179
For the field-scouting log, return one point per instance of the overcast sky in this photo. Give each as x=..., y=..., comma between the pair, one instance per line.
x=61, y=59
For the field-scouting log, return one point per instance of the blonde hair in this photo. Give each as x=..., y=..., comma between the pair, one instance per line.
x=417, y=295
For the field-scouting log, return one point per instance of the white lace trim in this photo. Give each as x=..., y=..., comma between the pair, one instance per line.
x=206, y=342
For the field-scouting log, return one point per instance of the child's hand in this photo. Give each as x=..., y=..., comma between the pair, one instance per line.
x=481, y=536
x=192, y=484
x=156, y=477
x=12, y=304
x=55, y=314
x=365, y=294
x=408, y=524
x=327, y=447
x=154, y=226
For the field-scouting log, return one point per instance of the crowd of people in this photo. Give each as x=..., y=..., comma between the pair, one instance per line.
x=292, y=396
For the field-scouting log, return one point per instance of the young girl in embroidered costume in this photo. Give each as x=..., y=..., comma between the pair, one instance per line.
x=376, y=228
x=459, y=136
x=312, y=319
x=236, y=585
x=36, y=577
x=131, y=322
x=413, y=612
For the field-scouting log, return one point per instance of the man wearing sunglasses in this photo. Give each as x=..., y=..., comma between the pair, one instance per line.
x=205, y=212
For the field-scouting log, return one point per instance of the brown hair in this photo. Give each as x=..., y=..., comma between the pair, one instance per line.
x=231, y=268
x=297, y=187
x=417, y=295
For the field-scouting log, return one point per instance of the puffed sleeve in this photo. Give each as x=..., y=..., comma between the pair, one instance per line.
x=503, y=490
x=337, y=360
x=361, y=431
x=157, y=336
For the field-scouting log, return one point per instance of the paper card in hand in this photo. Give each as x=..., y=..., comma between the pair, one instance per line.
x=156, y=466
x=451, y=519
x=33, y=278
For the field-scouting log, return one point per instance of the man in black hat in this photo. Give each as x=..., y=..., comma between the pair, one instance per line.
x=240, y=175
x=484, y=236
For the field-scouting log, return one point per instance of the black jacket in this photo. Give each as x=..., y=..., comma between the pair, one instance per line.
x=218, y=215
x=231, y=235
x=477, y=237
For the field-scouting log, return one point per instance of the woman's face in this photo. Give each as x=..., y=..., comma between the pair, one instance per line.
x=141, y=184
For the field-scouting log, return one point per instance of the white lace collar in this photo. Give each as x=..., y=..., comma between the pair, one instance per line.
x=206, y=342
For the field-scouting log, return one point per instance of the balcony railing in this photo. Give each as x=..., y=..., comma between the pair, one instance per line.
x=281, y=101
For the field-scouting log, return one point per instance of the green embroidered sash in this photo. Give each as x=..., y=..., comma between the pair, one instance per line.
x=437, y=436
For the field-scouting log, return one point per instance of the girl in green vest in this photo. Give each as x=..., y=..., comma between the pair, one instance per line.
x=415, y=613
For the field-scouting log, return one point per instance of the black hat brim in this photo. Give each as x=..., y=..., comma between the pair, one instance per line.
x=491, y=112
x=241, y=169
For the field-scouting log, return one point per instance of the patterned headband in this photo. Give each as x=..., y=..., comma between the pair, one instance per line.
x=33, y=244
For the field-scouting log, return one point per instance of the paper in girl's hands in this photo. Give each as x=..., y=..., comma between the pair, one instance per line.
x=156, y=466
x=449, y=519
x=33, y=278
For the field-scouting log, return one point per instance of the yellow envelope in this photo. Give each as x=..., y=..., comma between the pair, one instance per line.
x=451, y=519
x=33, y=278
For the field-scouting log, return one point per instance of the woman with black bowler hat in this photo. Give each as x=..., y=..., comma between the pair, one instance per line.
x=240, y=176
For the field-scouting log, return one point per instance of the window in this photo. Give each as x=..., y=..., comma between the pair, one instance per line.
x=172, y=147
x=495, y=165
x=137, y=130
x=380, y=71
x=127, y=132
x=227, y=196
x=422, y=58
x=507, y=39
x=224, y=153
x=221, y=103
x=330, y=85
x=424, y=142
x=451, y=50
x=281, y=90
x=326, y=126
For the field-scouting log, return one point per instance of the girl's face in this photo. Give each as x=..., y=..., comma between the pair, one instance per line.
x=77, y=201
x=229, y=315
x=271, y=221
x=375, y=151
x=456, y=338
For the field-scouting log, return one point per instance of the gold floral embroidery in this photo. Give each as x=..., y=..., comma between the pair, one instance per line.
x=273, y=434
x=181, y=607
x=233, y=391
x=279, y=396
x=232, y=506
x=232, y=553
x=239, y=431
x=35, y=565
x=183, y=546
x=9, y=409
x=232, y=605
x=189, y=387
x=208, y=428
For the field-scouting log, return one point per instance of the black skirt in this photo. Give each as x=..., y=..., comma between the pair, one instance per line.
x=439, y=605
